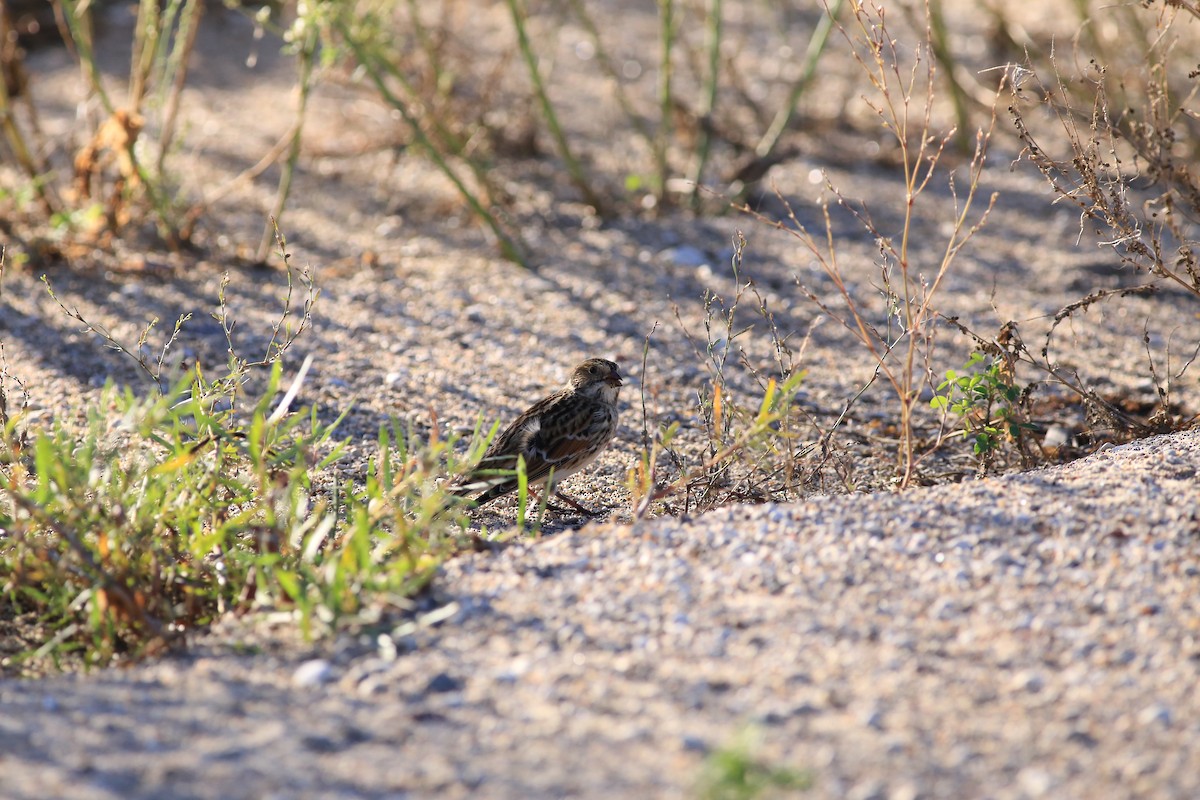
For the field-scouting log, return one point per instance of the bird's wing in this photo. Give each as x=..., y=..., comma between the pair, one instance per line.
x=516, y=439
x=563, y=437
x=541, y=458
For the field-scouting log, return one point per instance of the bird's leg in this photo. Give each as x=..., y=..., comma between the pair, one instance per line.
x=537, y=499
x=561, y=495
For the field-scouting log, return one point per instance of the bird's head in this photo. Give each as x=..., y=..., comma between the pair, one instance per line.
x=596, y=375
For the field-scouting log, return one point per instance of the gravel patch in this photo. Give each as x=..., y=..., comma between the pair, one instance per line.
x=1027, y=636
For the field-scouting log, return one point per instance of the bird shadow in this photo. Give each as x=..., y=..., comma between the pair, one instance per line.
x=497, y=529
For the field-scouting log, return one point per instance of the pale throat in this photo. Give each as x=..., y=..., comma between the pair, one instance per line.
x=607, y=393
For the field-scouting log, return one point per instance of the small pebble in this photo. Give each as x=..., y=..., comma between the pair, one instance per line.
x=312, y=673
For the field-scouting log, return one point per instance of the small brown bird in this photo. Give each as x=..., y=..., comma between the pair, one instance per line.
x=558, y=436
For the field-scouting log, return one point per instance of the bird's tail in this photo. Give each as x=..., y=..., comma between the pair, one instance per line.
x=491, y=489
x=488, y=487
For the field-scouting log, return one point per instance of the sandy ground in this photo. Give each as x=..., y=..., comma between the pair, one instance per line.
x=1028, y=636
x=1031, y=635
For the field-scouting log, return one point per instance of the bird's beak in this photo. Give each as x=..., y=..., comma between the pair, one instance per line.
x=614, y=380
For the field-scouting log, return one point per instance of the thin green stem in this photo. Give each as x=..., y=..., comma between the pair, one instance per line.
x=812, y=56
x=666, y=12
x=574, y=168
x=176, y=75
x=78, y=17
x=510, y=246
x=708, y=102
x=22, y=153
x=306, y=57
x=939, y=44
